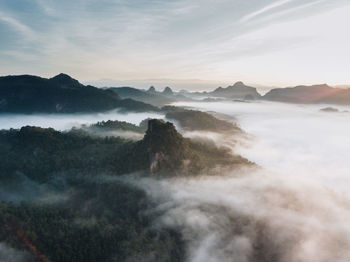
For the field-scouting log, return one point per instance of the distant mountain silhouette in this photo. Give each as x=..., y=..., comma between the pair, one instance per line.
x=167, y=91
x=151, y=96
x=151, y=89
x=30, y=94
x=66, y=81
x=239, y=91
x=309, y=95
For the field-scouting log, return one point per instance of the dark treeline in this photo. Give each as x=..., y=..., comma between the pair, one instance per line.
x=60, y=94
x=64, y=199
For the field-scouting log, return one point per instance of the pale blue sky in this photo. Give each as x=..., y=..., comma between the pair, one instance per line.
x=280, y=43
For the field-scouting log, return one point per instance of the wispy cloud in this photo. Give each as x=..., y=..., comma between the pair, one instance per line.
x=147, y=39
x=46, y=7
x=289, y=11
x=263, y=10
x=18, y=26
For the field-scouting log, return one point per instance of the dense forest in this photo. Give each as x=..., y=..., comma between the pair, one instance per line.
x=192, y=120
x=65, y=196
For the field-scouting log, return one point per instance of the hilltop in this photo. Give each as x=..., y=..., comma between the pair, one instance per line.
x=150, y=96
x=315, y=94
x=60, y=94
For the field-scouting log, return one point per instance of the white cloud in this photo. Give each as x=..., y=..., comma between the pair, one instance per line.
x=263, y=10
x=18, y=26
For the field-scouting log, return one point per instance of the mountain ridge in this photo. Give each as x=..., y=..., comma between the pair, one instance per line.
x=59, y=94
x=314, y=94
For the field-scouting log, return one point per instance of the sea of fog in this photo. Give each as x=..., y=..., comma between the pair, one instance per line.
x=295, y=208
x=67, y=121
x=293, y=140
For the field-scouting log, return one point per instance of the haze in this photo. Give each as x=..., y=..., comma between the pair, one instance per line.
x=279, y=43
x=296, y=206
x=65, y=122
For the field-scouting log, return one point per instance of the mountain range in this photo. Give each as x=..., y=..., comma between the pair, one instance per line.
x=63, y=94
x=315, y=94
x=59, y=94
x=150, y=96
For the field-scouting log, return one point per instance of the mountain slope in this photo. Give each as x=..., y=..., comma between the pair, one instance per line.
x=30, y=94
x=152, y=97
x=315, y=94
x=239, y=91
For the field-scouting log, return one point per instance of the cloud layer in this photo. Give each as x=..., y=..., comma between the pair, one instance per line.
x=294, y=208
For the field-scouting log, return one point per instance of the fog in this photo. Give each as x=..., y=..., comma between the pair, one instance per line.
x=294, y=207
x=293, y=140
x=67, y=121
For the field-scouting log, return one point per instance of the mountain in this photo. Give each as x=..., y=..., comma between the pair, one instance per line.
x=65, y=80
x=69, y=196
x=310, y=95
x=192, y=120
x=151, y=89
x=151, y=96
x=167, y=91
x=63, y=94
x=165, y=152
x=39, y=153
x=237, y=91
x=60, y=200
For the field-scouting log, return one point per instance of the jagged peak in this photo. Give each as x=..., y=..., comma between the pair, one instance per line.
x=160, y=127
x=167, y=90
x=151, y=89
x=161, y=135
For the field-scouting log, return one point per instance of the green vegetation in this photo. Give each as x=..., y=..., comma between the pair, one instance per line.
x=63, y=198
x=60, y=94
x=100, y=221
x=43, y=153
x=105, y=127
x=197, y=120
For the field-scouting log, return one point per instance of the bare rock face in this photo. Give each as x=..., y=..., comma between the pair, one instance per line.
x=166, y=148
x=164, y=152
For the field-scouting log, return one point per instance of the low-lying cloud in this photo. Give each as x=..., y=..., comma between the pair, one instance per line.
x=67, y=121
x=295, y=207
x=254, y=216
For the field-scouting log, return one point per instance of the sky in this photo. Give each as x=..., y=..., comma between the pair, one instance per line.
x=183, y=43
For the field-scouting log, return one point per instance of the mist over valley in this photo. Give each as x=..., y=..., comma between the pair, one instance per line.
x=174, y=131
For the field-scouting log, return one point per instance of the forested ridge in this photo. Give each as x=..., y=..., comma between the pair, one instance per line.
x=60, y=94
x=65, y=197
